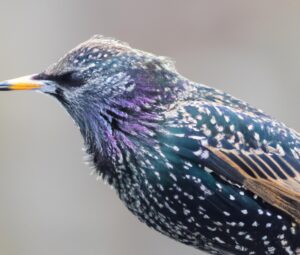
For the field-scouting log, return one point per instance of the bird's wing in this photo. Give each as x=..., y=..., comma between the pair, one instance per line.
x=243, y=148
x=272, y=177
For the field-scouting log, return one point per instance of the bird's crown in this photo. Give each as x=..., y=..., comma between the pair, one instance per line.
x=106, y=55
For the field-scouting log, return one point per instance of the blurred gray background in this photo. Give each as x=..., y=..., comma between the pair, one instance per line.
x=49, y=204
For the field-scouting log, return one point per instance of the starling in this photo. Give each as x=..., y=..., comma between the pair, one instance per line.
x=190, y=161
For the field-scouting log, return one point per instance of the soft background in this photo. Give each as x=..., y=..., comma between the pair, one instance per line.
x=49, y=204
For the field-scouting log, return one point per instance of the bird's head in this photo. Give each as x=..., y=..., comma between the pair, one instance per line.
x=112, y=91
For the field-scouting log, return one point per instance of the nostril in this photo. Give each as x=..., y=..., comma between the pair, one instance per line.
x=41, y=76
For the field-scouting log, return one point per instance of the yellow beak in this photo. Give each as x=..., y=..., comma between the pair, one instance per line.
x=22, y=83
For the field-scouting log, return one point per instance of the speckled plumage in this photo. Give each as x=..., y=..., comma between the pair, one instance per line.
x=194, y=163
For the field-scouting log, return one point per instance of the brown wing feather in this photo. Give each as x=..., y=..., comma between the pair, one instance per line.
x=280, y=188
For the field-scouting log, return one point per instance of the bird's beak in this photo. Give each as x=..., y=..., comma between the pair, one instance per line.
x=22, y=83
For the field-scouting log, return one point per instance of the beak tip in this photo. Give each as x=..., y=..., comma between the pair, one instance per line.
x=4, y=86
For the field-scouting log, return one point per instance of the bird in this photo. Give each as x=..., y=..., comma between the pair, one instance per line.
x=191, y=162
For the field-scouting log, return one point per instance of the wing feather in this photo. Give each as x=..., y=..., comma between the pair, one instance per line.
x=246, y=148
x=276, y=187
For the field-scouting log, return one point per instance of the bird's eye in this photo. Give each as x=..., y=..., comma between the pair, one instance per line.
x=69, y=79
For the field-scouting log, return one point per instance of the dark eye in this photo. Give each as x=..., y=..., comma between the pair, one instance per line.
x=69, y=79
